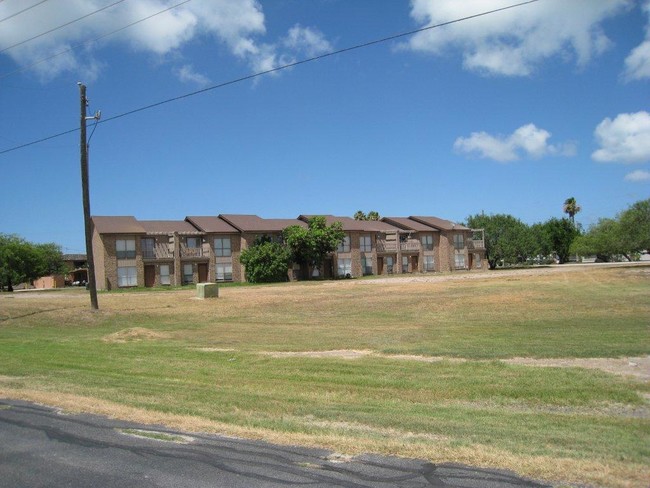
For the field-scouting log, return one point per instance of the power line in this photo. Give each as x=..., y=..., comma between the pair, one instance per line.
x=72, y=48
x=279, y=68
x=23, y=10
x=61, y=26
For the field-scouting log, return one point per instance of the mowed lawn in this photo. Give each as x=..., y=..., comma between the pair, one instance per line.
x=417, y=368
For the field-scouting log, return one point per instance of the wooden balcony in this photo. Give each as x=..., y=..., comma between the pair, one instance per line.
x=160, y=251
x=409, y=245
x=194, y=252
x=476, y=244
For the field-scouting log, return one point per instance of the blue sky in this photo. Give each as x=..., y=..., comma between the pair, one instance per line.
x=512, y=112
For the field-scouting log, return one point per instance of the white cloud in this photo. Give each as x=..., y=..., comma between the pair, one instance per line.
x=638, y=176
x=187, y=75
x=515, y=41
x=238, y=25
x=637, y=64
x=626, y=139
x=308, y=40
x=528, y=140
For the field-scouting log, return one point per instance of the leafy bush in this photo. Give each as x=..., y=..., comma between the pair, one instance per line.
x=266, y=262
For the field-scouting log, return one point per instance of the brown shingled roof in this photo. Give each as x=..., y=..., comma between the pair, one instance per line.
x=117, y=225
x=409, y=224
x=253, y=223
x=169, y=227
x=438, y=223
x=211, y=224
x=352, y=225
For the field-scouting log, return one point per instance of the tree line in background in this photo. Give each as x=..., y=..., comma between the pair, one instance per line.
x=509, y=241
x=22, y=261
x=627, y=235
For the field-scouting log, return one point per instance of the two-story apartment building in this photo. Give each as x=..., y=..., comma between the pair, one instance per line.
x=130, y=252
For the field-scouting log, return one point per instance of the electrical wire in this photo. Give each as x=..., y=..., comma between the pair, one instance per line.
x=23, y=10
x=274, y=70
x=81, y=44
x=61, y=26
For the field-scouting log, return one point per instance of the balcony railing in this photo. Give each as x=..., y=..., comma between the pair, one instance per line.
x=475, y=244
x=391, y=246
x=160, y=251
x=191, y=252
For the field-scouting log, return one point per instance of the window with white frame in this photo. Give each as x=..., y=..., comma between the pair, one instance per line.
x=366, y=264
x=127, y=276
x=459, y=241
x=224, y=272
x=405, y=264
x=164, y=274
x=148, y=247
x=344, y=245
x=222, y=246
x=188, y=273
x=459, y=261
x=365, y=243
x=478, y=262
x=125, y=248
x=427, y=242
x=428, y=263
x=389, y=264
x=344, y=266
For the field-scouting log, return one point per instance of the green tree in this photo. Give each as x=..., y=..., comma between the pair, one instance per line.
x=571, y=208
x=372, y=215
x=635, y=226
x=560, y=234
x=605, y=240
x=310, y=246
x=266, y=261
x=507, y=239
x=21, y=261
x=626, y=235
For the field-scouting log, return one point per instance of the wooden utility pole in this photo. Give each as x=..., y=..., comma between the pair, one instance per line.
x=83, y=145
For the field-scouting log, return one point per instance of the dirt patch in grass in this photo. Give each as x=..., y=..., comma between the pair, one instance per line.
x=135, y=334
x=638, y=367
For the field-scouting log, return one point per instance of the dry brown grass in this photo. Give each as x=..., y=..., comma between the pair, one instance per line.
x=396, y=443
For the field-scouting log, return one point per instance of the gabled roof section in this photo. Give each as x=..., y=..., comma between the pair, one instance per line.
x=124, y=224
x=211, y=224
x=253, y=223
x=409, y=224
x=351, y=225
x=438, y=223
x=169, y=227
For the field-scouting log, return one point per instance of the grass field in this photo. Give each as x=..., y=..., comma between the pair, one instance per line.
x=417, y=368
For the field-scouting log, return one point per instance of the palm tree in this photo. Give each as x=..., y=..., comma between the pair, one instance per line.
x=571, y=208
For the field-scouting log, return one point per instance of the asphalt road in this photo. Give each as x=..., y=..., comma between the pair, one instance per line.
x=41, y=447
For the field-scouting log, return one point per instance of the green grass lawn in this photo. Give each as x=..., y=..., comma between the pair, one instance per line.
x=165, y=356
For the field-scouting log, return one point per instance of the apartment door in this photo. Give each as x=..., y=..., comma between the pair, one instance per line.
x=203, y=272
x=380, y=266
x=149, y=276
x=414, y=264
